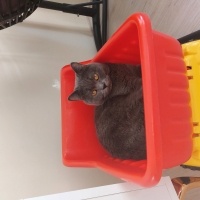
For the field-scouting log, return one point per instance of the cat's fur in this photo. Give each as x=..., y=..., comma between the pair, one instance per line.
x=119, y=113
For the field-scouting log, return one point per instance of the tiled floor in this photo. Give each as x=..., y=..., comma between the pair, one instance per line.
x=174, y=17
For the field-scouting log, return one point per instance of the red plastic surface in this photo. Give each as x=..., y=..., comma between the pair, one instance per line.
x=168, y=119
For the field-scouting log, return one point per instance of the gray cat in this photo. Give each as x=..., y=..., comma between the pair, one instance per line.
x=116, y=91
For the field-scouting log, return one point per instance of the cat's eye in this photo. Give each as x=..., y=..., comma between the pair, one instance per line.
x=96, y=77
x=94, y=92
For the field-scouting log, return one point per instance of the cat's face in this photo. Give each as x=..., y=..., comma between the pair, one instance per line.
x=92, y=83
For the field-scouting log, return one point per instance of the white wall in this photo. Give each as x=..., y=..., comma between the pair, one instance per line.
x=31, y=56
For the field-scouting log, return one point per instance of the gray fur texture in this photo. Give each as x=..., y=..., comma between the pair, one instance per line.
x=116, y=91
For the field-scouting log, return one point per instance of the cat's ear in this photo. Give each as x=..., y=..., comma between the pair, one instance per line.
x=77, y=67
x=74, y=96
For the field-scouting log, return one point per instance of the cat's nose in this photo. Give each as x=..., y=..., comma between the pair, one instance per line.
x=100, y=85
x=104, y=86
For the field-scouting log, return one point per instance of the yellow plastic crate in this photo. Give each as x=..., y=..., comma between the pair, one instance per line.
x=191, y=51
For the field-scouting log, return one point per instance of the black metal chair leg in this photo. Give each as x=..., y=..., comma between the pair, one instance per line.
x=100, y=37
x=104, y=21
x=191, y=37
x=77, y=9
x=97, y=27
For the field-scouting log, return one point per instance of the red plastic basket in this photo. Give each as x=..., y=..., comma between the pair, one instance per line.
x=168, y=119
